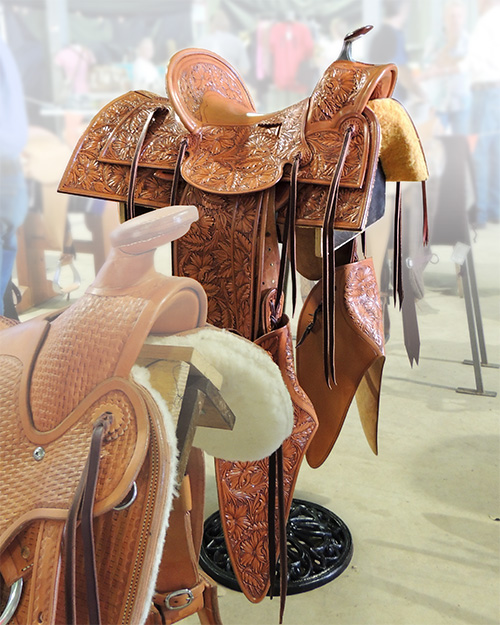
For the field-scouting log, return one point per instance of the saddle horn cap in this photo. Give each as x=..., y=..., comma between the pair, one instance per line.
x=345, y=53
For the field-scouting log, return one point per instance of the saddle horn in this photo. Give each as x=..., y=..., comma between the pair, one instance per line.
x=345, y=53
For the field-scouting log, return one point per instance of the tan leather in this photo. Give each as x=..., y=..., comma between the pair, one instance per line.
x=232, y=164
x=243, y=486
x=211, y=77
x=179, y=570
x=59, y=374
x=359, y=352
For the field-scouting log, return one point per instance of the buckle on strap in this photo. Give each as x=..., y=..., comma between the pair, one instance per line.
x=179, y=593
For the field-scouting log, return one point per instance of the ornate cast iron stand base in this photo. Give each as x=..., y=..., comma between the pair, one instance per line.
x=319, y=548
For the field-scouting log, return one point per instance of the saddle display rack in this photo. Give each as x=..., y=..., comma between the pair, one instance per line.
x=278, y=194
x=451, y=227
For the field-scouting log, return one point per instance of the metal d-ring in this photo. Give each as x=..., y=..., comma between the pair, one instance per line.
x=128, y=501
x=14, y=598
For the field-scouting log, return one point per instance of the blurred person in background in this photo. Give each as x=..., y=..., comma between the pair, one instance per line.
x=483, y=63
x=145, y=74
x=221, y=40
x=329, y=44
x=13, y=188
x=447, y=79
x=388, y=45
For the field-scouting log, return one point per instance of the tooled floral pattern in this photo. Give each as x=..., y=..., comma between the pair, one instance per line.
x=218, y=251
x=338, y=87
x=311, y=205
x=113, y=134
x=243, y=486
x=326, y=146
x=362, y=300
x=202, y=77
x=241, y=159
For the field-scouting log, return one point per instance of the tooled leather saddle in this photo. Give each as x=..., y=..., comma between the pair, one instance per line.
x=311, y=178
x=89, y=464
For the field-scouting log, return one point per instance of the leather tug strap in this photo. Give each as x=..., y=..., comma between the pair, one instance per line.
x=130, y=205
x=82, y=505
x=329, y=263
x=282, y=531
x=425, y=234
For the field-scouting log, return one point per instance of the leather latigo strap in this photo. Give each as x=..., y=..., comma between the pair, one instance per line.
x=126, y=541
x=181, y=588
x=243, y=487
x=359, y=353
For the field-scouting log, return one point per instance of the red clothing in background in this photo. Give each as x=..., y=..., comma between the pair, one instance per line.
x=291, y=43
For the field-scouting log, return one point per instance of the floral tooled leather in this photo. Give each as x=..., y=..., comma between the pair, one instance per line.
x=243, y=487
x=246, y=158
x=362, y=300
x=100, y=164
x=220, y=251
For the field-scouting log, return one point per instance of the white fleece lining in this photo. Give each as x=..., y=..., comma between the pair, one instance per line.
x=253, y=388
x=141, y=376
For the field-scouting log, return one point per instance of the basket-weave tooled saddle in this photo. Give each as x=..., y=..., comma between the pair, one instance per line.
x=89, y=444
x=311, y=176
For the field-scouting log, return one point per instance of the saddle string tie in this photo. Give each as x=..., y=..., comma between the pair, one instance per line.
x=288, y=251
x=271, y=521
x=130, y=205
x=82, y=506
x=310, y=326
x=425, y=233
x=328, y=239
x=397, y=275
x=282, y=532
x=177, y=171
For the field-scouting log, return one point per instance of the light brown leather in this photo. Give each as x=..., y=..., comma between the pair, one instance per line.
x=232, y=163
x=179, y=570
x=243, y=487
x=359, y=353
x=59, y=374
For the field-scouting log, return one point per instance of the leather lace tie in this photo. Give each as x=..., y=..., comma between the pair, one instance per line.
x=288, y=251
x=329, y=263
x=130, y=204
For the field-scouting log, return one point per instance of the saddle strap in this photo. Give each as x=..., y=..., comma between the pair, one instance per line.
x=45, y=574
x=329, y=263
x=288, y=252
x=83, y=504
x=182, y=590
x=397, y=275
x=129, y=212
